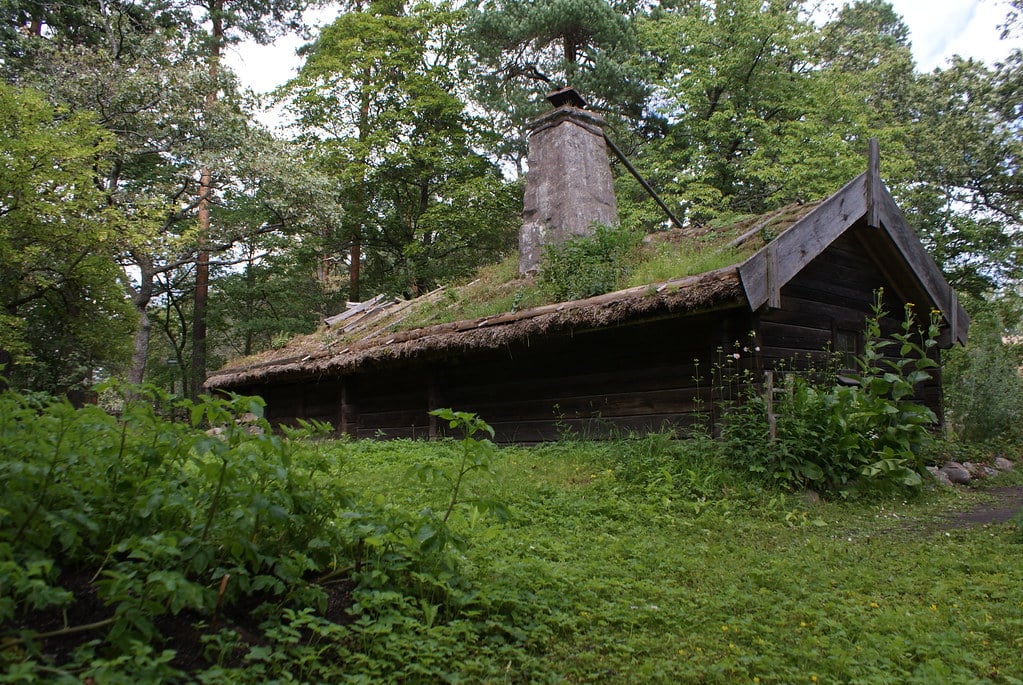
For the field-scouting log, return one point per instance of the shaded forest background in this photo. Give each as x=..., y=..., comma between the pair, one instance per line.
x=151, y=228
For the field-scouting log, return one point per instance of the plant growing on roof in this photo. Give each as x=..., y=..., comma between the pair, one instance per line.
x=586, y=266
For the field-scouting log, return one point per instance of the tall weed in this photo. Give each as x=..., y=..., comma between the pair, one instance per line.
x=833, y=437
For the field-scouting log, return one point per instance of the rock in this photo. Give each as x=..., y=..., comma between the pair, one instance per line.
x=1003, y=464
x=811, y=497
x=975, y=470
x=939, y=475
x=956, y=473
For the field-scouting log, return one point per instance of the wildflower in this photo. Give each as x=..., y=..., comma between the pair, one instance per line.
x=874, y=605
x=735, y=355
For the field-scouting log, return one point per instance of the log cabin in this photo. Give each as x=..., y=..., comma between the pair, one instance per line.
x=632, y=361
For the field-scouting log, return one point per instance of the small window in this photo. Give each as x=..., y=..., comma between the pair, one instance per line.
x=848, y=345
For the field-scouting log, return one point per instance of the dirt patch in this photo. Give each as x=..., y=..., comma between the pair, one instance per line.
x=1005, y=504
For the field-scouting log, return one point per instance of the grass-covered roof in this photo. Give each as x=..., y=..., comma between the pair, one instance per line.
x=666, y=272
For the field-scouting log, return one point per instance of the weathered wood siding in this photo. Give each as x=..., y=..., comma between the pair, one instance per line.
x=641, y=377
x=633, y=378
x=835, y=291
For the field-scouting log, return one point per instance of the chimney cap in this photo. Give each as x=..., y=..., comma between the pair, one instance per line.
x=569, y=97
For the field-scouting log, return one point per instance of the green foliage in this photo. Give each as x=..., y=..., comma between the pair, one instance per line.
x=139, y=531
x=609, y=575
x=843, y=438
x=587, y=265
x=967, y=192
x=291, y=557
x=522, y=50
x=670, y=261
x=476, y=454
x=983, y=387
x=728, y=76
x=376, y=100
x=63, y=310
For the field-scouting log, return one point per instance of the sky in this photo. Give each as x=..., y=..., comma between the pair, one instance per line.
x=938, y=30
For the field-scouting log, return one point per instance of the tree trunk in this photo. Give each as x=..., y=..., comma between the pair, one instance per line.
x=202, y=263
x=202, y=288
x=140, y=299
x=137, y=372
x=353, y=270
x=355, y=265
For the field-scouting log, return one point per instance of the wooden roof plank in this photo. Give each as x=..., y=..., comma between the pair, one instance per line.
x=774, y=265
x=942, y=295
x=353, y=309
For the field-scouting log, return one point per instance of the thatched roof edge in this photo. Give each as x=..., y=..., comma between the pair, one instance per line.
x=717, y=289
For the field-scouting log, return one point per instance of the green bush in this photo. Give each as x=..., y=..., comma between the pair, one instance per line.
x=843, y=438
x=983, y=387
x=586, y=266
x=135, y=549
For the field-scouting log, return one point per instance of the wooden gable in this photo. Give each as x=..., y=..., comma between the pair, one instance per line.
x=893, y=246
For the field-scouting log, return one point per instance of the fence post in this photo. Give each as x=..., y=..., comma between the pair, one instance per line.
x=772, y=420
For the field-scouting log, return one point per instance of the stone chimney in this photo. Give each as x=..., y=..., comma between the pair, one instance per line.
x=569, y=186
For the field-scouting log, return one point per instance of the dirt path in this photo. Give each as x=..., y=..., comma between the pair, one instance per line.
x=1005, y=504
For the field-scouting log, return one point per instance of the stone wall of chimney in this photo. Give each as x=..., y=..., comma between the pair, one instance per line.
x=569, y=188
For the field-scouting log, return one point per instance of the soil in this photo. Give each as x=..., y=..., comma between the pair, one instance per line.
x=1005, y=504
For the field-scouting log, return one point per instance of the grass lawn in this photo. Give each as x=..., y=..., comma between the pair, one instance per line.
x=634, y=565
x=137, y=550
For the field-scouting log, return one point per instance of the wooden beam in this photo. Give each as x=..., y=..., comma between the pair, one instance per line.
x=773, y=286
x=923, y=266
x=874, y=186
x=770, y=268
x=348, y=421
x=434, y=401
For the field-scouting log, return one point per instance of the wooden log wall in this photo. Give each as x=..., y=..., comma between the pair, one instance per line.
x=639, y=378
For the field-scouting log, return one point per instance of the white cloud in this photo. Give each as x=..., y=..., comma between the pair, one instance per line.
x=940, y=29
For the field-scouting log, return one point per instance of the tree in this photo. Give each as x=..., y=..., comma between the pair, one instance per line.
x=527, y=49
x=227, y=19
x=376, y=100
x=968, y=198
x=62, y=304
x=759, y=107
x=184, y=141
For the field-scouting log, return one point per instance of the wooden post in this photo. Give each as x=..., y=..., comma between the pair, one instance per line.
x=772, y=420
x=873, y=189
x=773, y=289
x=348, y=421
x=435, y=398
